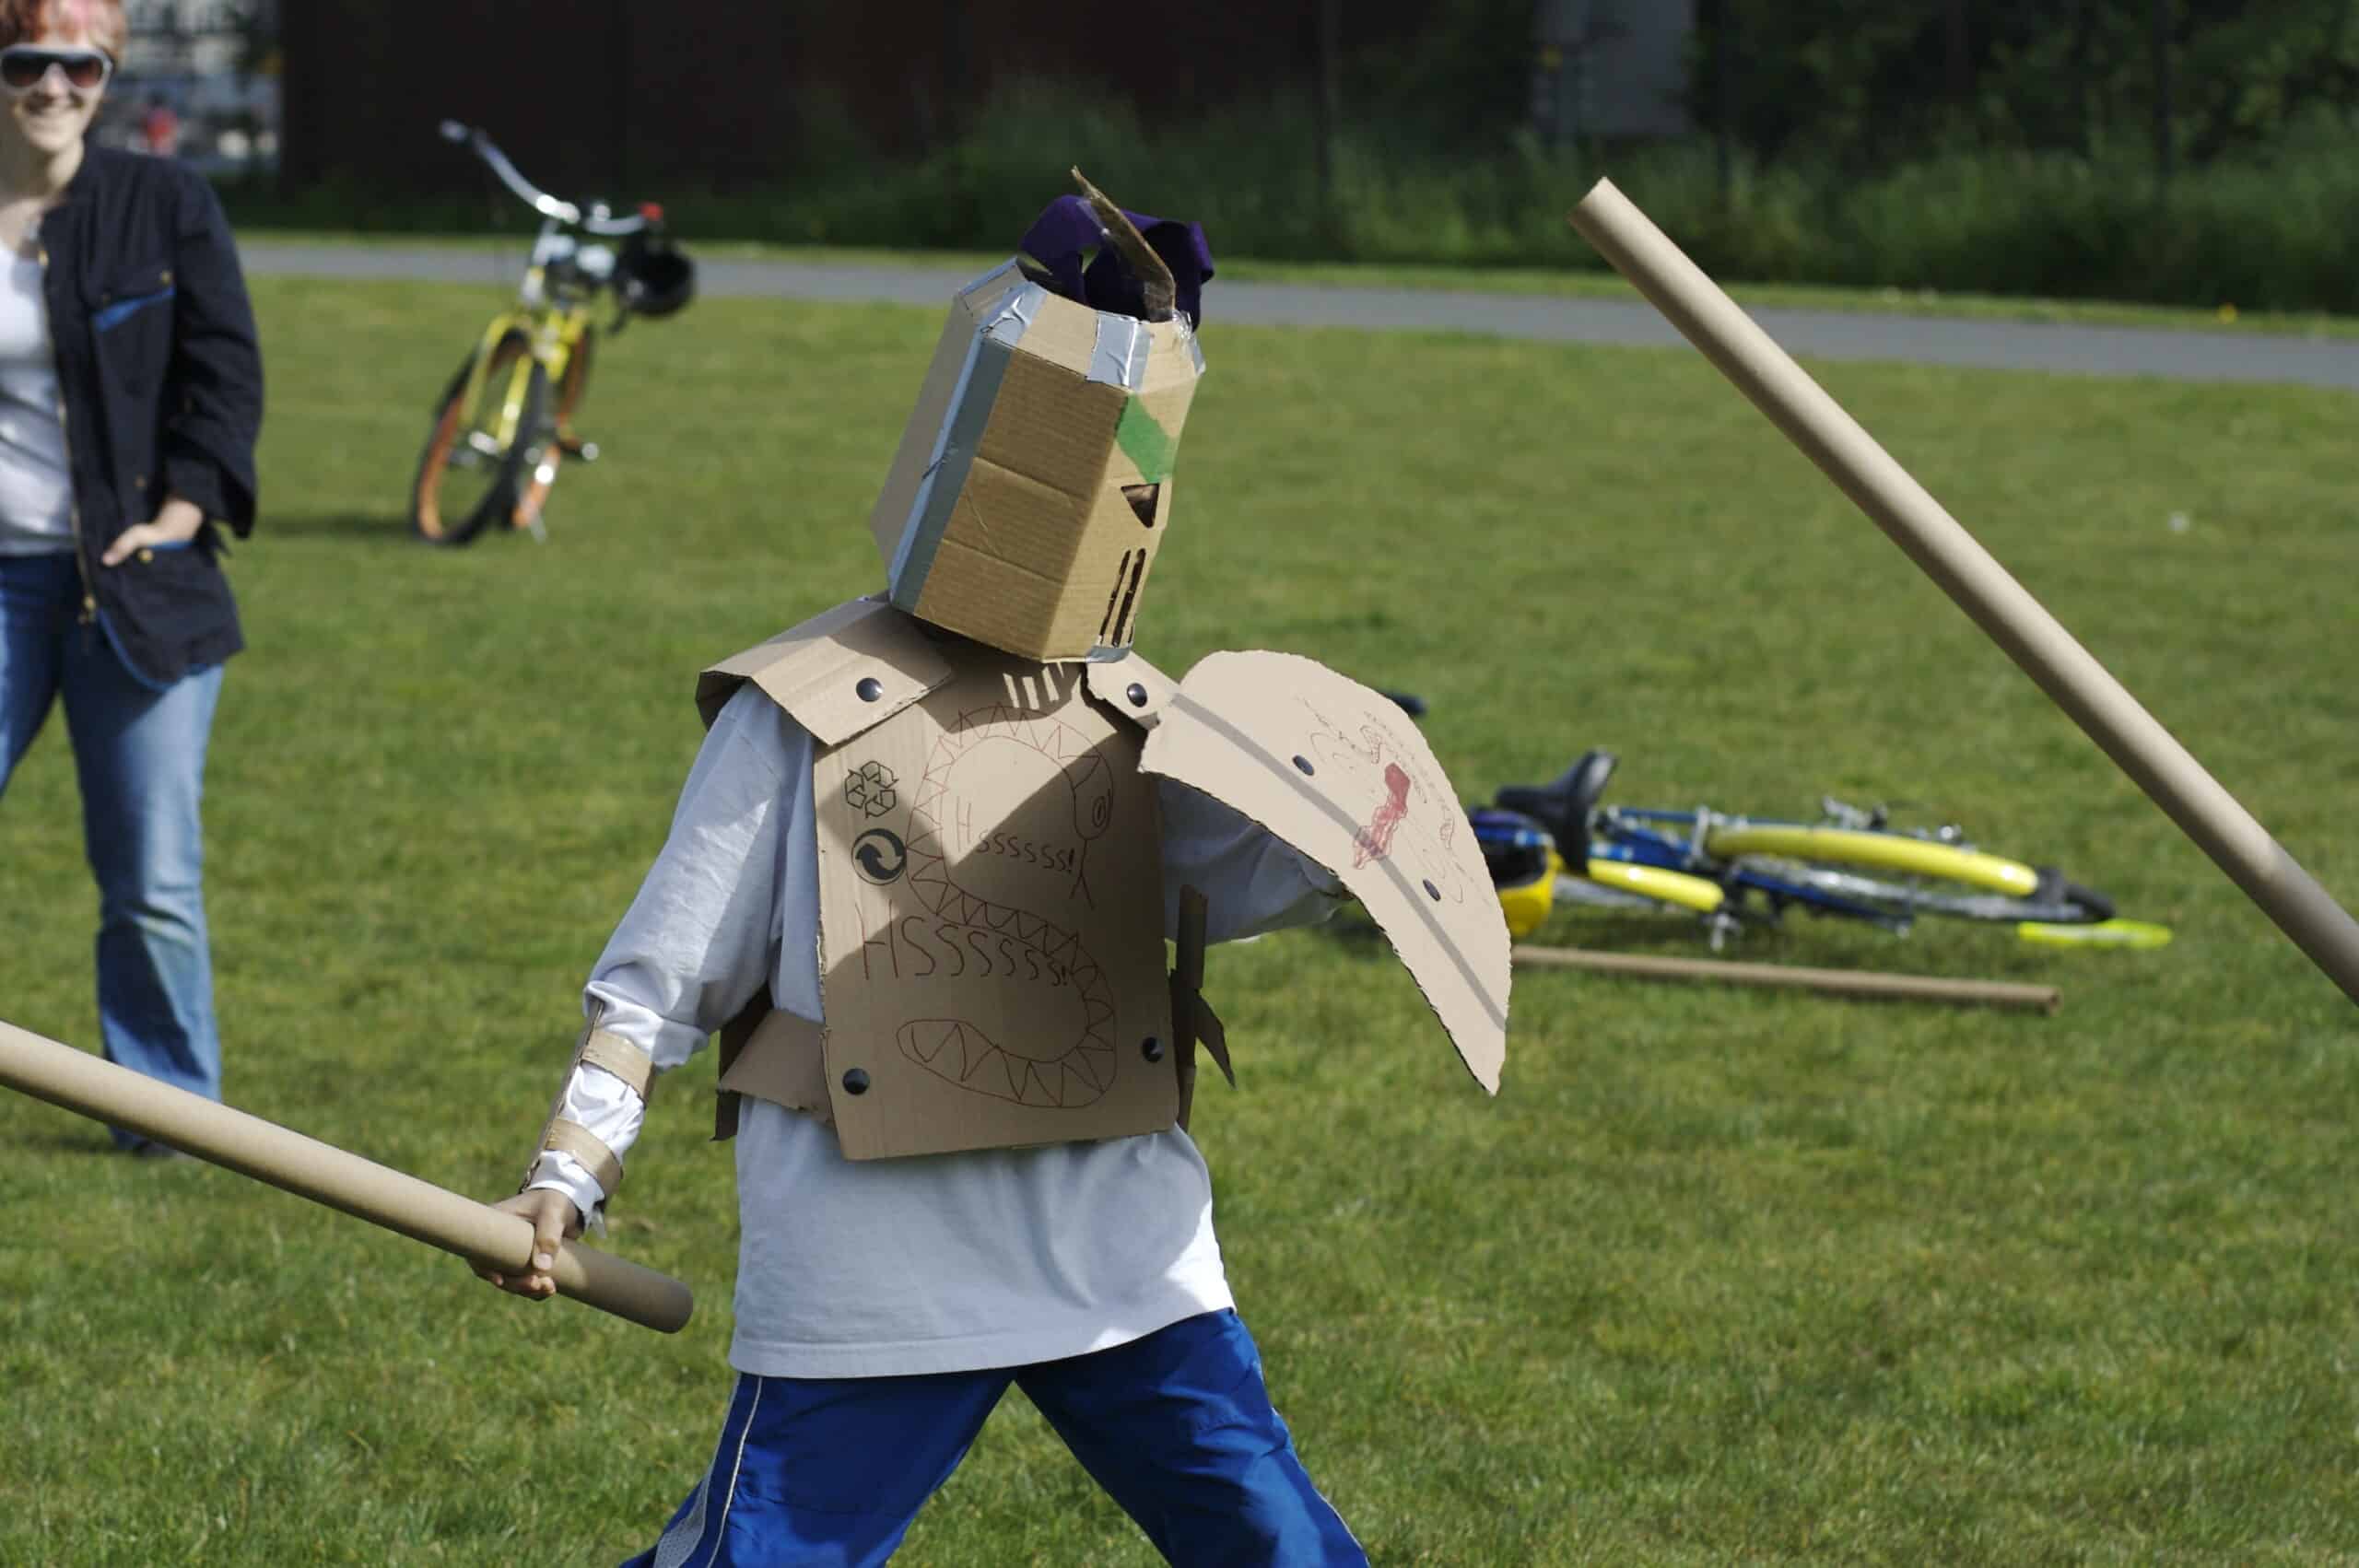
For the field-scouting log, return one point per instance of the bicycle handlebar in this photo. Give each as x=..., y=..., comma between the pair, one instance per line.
x=595, y=222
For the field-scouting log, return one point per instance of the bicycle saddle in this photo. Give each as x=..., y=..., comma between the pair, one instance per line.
x=1564, y=807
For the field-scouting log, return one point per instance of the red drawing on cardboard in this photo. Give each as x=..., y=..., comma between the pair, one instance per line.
x=1374, y=842
x=1042, y=849
x=1409, y=819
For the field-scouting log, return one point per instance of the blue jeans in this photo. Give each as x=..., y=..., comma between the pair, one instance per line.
x=140, y=751
x=1176, y=1427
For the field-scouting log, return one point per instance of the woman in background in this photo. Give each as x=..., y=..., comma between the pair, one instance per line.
x=129, y=399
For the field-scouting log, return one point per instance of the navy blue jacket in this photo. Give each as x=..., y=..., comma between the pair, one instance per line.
x=161, y=378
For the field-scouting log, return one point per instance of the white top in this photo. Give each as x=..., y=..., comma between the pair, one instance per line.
x=933, y=1263
x=36, y=489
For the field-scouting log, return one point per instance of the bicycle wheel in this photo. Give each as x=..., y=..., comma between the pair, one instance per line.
x=1906, y=875
x=473, y=468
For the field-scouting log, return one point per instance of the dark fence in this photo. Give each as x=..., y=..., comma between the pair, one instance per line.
x=624, y=94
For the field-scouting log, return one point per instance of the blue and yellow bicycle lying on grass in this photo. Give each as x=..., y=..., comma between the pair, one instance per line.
x=1558, y=842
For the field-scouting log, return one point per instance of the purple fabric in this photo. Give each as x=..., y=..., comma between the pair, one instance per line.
x=1066, y=249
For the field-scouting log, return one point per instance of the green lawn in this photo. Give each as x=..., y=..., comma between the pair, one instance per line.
x=1720, y=1277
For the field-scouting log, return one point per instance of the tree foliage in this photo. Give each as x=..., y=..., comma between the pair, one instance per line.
x=1868, y=84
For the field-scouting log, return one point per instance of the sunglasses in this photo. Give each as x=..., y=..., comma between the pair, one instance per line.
x=23, y=67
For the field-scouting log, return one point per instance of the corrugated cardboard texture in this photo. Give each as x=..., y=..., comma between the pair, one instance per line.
x=1131, y=686
x=1338, y=771
x=782, y=1061
x=954, y=352
x=837, y=674
x=992, y=921
x=1005, y=515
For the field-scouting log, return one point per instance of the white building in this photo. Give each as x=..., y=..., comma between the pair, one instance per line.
x=193, y=37
x=214, y=65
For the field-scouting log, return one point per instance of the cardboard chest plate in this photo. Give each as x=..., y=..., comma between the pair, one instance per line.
x=991, y=956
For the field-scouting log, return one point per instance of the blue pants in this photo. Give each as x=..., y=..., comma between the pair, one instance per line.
x=140, y=751
x=1176, y=1427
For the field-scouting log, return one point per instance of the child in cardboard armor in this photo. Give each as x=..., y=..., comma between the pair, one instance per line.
x=964, y=817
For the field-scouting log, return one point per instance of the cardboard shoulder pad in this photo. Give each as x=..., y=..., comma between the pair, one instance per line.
x=838, y=674
x=1131, y=686
x=1339, y=772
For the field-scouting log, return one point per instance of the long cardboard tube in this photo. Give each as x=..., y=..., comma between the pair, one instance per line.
x=324, y=1174
x=2071, y=676
x=1836, y=982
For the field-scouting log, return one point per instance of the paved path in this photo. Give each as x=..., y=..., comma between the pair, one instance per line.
x=1826, y=334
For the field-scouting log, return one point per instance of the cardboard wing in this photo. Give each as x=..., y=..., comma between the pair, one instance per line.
x=1340, y=773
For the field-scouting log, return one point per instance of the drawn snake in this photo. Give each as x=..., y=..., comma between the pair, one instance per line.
x=1001, y=941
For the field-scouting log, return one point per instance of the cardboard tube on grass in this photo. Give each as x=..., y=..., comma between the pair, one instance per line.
x=1831, y=982
x=2071, y=676
x=326, y=1175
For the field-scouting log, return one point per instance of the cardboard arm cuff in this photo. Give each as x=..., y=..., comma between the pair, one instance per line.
x=609, y=1052
x=573, y=1138
x=613, y=1054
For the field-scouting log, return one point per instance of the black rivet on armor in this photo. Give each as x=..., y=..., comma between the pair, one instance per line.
x=1433, y=892
x=1303, y=764
x=856, y=1081
x=870, y=688
x=1151, y=1048
x=1137, y=693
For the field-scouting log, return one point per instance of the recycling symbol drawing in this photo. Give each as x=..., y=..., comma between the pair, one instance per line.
x=869, y=788
x=880, y=855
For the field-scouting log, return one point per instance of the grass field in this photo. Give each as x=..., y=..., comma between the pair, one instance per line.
x=1720, y=1277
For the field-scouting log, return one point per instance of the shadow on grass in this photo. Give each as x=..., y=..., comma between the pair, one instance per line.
x=94, y=1143
x=1357, y=934
x=356, y=527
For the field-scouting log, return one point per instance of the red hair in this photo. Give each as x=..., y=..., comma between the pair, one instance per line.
x=101, y=21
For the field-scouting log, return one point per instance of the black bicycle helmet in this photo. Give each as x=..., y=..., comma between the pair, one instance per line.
x=655, y=276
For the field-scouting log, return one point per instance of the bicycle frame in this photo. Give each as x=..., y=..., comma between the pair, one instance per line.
x=553, y=334
x=1853, y=863
x=1620, y=834
x=1709, y=865
x=569, y=270
x=552, y=313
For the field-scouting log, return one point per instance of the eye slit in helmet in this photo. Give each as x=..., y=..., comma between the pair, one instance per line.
x=1130, y=598
x=1142, y=498
x=1114, y=598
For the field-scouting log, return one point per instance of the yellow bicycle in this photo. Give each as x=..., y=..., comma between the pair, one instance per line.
x=505, y=422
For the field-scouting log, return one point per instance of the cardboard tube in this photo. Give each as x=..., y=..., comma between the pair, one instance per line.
x=2155, y=761
x=1836, y=982
x=268, y=1153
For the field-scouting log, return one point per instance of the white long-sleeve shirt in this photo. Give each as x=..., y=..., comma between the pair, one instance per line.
x=36, y=488
x=934, y=1263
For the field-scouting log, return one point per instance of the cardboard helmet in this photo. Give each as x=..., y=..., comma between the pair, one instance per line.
x=1034, y=481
